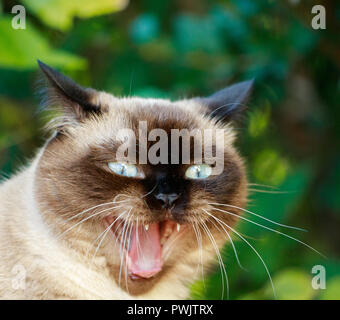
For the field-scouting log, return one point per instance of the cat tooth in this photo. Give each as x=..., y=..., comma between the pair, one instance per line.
x=146, y=227
x=178, y=227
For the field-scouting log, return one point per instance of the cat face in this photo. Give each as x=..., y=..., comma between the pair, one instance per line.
x=145, y=218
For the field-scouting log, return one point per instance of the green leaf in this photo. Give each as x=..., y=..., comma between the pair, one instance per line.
x=20, y=48
x=59, y=14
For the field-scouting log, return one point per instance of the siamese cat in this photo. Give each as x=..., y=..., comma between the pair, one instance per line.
x=80, y=223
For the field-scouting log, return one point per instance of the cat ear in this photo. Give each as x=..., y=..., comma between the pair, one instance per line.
x=67, y=96
x=229, y=103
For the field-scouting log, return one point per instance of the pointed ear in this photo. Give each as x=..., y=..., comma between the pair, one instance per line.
x=74, y=101
x=229, y=103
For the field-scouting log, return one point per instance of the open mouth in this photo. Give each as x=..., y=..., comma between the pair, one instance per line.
x=144, y=247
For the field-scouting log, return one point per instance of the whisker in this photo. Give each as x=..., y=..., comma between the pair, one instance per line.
x=225, y=105
x=123, y=239
x=150, y=190
x=170, y=246
x=85, y=219
x=231, y=242
x=122, y=195
x=270, y=191
x=100, y=235
x=261, y=185
x=95, y=207
x=104, y=234
x=126, y=258
x=257, y=215
x=139, y=249
x=259, y=256
x=201, y=254
x=121, y=236
x=273, y=230
x=200, y=262
x=220, y=261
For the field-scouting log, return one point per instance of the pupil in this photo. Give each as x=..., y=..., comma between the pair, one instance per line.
x=122, y=169
x=198, y=172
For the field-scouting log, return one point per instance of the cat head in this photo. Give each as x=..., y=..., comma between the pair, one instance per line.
x=113, y=181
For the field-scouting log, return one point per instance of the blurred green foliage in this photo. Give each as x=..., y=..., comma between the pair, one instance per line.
x=171, y=49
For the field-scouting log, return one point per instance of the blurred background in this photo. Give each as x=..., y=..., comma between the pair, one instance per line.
x=173, y=49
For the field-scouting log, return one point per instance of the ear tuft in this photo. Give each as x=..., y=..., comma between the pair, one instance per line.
x=67, y=96
x=229, y=103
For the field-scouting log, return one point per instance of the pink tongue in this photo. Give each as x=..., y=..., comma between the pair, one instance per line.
x=145, y=252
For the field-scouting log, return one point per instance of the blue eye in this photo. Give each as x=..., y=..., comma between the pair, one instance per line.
x=198, y=171
x=125, y=169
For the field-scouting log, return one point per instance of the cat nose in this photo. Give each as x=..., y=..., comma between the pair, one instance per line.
x=167, y=199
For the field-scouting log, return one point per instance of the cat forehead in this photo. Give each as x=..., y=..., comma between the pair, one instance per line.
x=131, y=113
x=163, y=114
x=186, y=113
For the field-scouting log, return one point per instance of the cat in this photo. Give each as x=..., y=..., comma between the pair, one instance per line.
x=78, y=224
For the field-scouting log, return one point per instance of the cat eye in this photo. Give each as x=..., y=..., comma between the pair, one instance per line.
x=198, y=171
x=125, y=169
